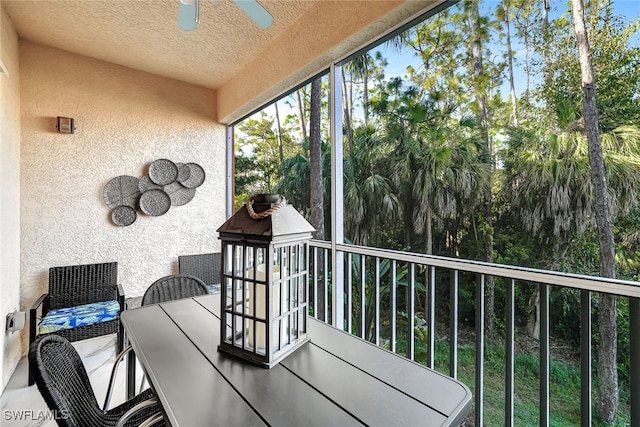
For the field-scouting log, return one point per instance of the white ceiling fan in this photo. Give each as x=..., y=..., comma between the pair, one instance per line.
x=189, y=10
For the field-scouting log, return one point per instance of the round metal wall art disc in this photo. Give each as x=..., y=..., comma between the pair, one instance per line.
x=179, y=194
x=145, y=184
x=183, y=172
x=155, y=202
x=121, y=191
x=196, y=177
x=123, y=215
x=163, y=171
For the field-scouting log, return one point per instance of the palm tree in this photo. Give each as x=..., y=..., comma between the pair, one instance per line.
x=368, y=197
x=444, y=173
x=550, y=184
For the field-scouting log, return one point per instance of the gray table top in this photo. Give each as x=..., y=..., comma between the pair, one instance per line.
x=336, y=379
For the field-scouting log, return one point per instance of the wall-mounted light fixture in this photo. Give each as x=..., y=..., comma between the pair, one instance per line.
x=65, y=125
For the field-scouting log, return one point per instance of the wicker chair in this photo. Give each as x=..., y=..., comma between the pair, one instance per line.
x=173, y=287
x=205, y=267
x=76, y=286
x=64, y=384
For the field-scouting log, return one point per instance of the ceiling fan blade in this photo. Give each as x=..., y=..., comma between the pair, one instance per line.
x=188, y=16
x=256, y=12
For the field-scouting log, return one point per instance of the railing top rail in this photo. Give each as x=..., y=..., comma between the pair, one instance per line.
x=556, y=278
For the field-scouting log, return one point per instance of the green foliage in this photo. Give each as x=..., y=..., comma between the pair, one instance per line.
x=420, y=154
x=616, y=64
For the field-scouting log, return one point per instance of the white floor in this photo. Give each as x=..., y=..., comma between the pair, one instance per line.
x=23, y=406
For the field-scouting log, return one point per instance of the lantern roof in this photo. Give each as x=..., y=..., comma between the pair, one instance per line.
x=284, y=223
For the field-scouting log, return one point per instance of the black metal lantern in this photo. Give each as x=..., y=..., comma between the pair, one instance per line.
x=264, y=280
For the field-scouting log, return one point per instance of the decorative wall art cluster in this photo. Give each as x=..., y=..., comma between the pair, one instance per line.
x=167, y=184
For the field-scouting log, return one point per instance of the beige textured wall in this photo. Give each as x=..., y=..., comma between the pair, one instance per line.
x=9, y=194
x=125, y=119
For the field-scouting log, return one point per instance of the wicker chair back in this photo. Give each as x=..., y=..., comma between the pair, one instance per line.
x=205, y=267
x=65, y=386
x=63, y=382
x=173, y=287
x=75, y=285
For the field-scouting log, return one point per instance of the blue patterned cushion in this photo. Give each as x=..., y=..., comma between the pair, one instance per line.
x=81, y=315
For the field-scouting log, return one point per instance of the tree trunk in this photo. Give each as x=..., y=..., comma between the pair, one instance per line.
x=365, y=94
x=477, y=72
x=280, y=147
x=524, y=27
x=545, y=40
x=315, y=161
x=608, y=399
x=302, y=115
x=428, y=231
x=346, y=111
x=512, y=85
x=533, y=321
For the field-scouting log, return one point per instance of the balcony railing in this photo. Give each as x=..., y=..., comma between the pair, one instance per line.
x=376, y=289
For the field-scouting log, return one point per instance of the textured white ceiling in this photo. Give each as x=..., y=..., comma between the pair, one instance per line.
x=144, y=34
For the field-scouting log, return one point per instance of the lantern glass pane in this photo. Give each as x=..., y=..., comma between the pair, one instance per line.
x=285, y=260
x=227, y=263
x=234, y=297
x=278, y=296
x=228, y=335
x=260, y=337
x=258, y=300
x=294, y=292
x=285, y=297
x=239, y=334
x=294, y=326
x=227, y=286
x=294, y=260
x=248, y=270
x=248, y=341
x=237, y=259
x=302, y=290
x=302, y=258
x=286, y=335
x=302, y=321
x=277, y=256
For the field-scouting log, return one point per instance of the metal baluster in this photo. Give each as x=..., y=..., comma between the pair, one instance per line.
x=585, y=359
x=431, y=316
x=363, y=297
x=326, y=286
x=349, y=293
x=453, y=325
x=411, y=311
x=377, y=303
x=394, y=308
x=315, y=281
x=479, y=409
x=634, y=356
x=544, y=355
x=509, y=354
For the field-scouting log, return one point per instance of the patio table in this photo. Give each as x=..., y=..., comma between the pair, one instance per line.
x=336, y=379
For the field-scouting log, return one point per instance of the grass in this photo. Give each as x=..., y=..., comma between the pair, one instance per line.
x=564, y=385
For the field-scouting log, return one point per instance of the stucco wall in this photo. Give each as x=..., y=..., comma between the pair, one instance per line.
x=9, y=194
x=124, y=119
